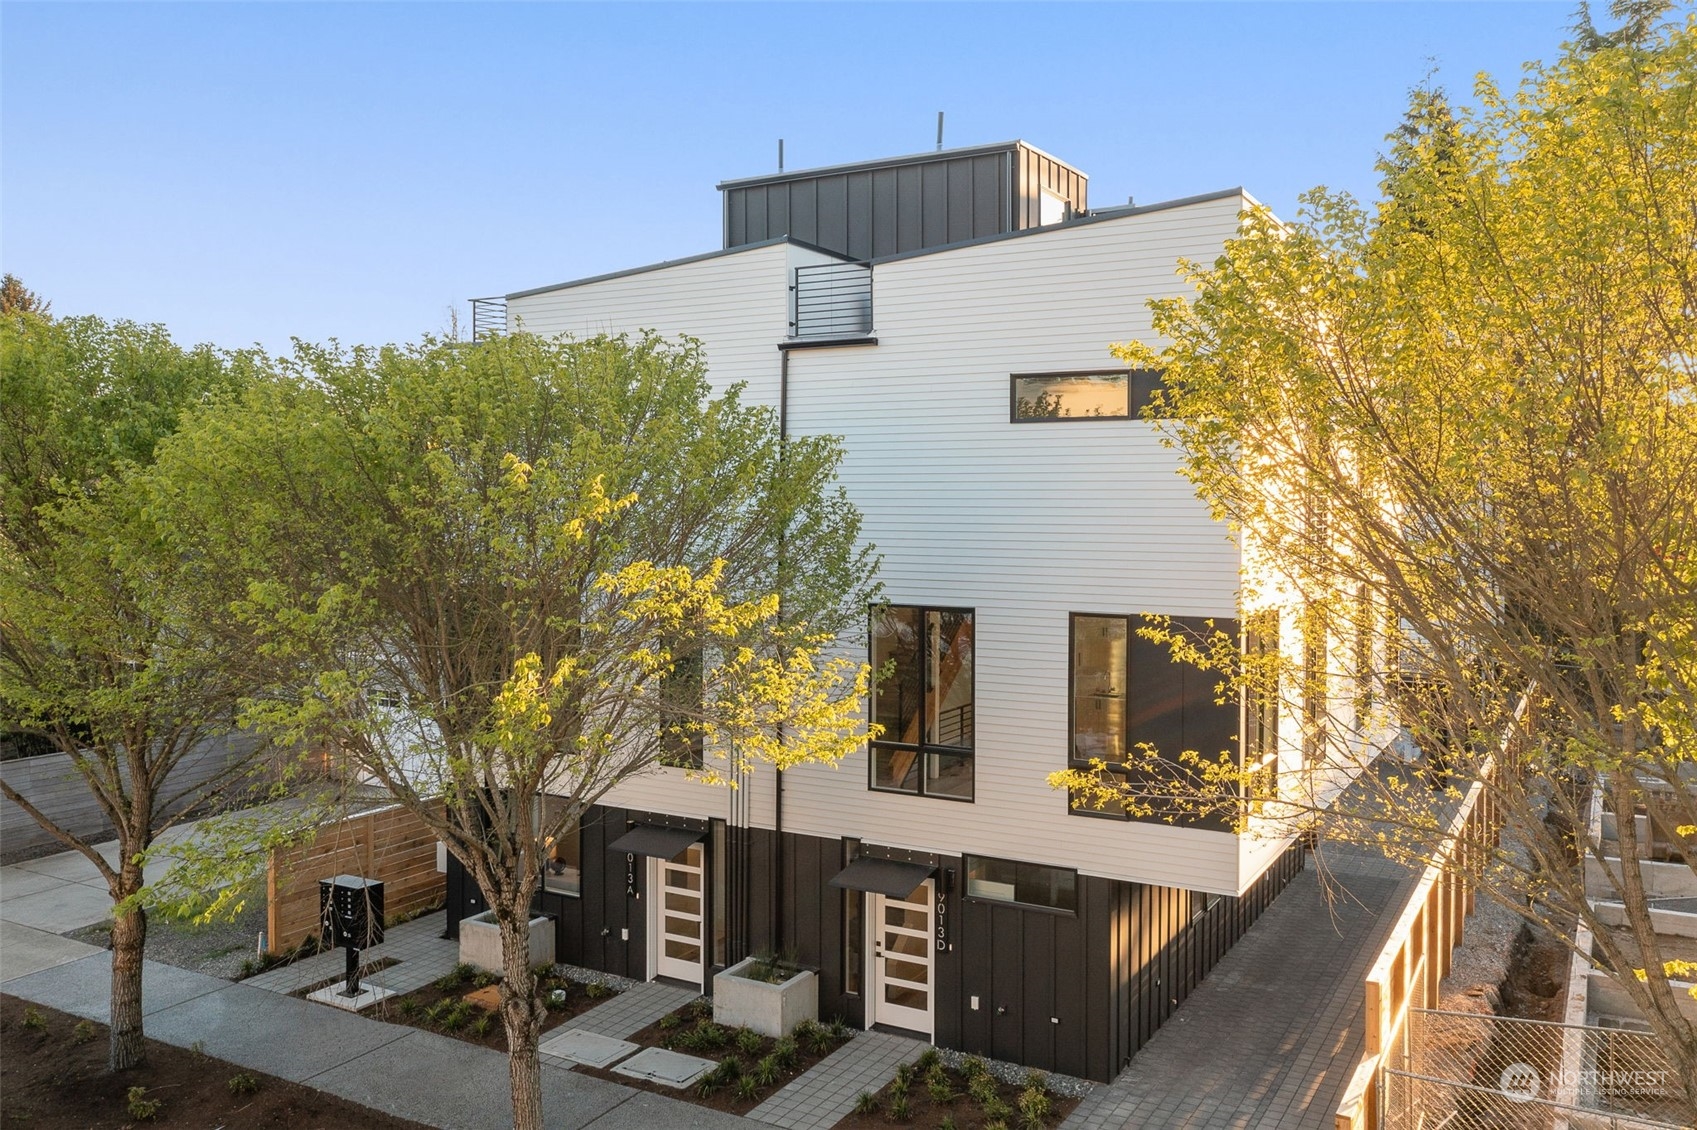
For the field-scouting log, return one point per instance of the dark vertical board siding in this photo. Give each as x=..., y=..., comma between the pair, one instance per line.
x=857, y=215
x=934, y=205
x=833, y=212
x=1006, y=1000
x=959, y=219
x=976, y=945
x=909, y=209
x=884, y=197
x=804, y=211
x=947, y=964
x=1038, y=1004
x=989, y=195
x=757, y=210
x=1072, y=1034
x=777, y=211
x=736, y=217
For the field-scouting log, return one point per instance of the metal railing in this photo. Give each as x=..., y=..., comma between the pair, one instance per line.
x=488, y=318
x=1471, y=1071
x=833, y=300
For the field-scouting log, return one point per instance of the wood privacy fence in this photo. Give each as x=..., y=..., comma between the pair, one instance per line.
x=1417, y=955
x=390, y=844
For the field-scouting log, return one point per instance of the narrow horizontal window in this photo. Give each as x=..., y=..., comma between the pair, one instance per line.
x=1045, y=397
x=1030, y=884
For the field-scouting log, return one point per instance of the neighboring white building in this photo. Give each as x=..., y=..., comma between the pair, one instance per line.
x=948, y=316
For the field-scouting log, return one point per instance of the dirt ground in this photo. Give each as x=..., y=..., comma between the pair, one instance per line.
x=437, y=1008
x=956, y=1101
x=53, y=1075
x=1537, y=976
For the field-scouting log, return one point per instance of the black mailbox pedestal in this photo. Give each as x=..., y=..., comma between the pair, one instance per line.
x=350, y=915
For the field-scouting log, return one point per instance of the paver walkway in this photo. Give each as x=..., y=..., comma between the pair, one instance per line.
x=633, y=1010
x=420, y=953
x=826, y=1091
x=1270, y=1037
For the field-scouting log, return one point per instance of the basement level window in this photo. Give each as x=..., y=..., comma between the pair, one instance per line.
x=1072, y=397
x=1029, y=884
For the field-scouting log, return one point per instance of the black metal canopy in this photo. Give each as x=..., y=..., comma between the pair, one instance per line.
x=651, y=839
x=882, y=876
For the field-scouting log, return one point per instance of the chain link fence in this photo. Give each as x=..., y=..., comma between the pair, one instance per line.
x=1465, y=1071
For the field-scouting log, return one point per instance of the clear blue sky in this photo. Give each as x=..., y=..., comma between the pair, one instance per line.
x=251, y=172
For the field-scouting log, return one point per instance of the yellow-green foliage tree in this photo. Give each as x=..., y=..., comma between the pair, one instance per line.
x=1460, y=427
x=103, y=653
x=484, y=571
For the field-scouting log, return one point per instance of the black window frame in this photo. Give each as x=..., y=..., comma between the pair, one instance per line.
x=1073, y=761
x=922, y=749
x=1139, y=394
x=966, y=885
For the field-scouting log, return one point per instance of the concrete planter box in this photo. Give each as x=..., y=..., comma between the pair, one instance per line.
x=772, y=1010
x=480, y=942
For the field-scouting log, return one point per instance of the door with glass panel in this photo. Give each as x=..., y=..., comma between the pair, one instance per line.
x=901, y=960
x=676, y=915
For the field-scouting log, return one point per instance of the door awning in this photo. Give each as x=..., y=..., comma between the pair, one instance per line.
x=882, y=877
x=651, y=839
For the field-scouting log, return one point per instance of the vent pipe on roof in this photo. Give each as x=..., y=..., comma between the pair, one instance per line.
x=939, y=131
x=780, y=154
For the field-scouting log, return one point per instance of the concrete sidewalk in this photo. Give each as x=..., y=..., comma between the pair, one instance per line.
x=402, y=1071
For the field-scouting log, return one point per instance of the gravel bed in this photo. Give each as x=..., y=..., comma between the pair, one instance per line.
x=1066, y=1086
x=595, y=977
x=216, y=949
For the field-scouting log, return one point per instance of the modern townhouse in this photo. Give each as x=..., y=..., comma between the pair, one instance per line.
x=949, y=316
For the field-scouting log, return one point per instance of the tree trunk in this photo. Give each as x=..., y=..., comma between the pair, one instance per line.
x=521, y=1013
x=129, y=942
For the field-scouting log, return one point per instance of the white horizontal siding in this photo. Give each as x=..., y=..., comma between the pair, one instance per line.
x=1023, y=523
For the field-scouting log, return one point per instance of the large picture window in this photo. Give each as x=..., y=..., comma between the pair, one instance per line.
x=1126, y=690
x=923, y=658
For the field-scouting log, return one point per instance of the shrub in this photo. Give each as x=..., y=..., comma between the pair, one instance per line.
x=866, y=1103
x=728, y=1069
x=928, y=1059
x=748, y=1088
x=595, y=990
x=995, y=1110
x=1035, y=1106
x=982, y=1088
x=995, y=1124
x=898, y=1088
x=900, y=1110
x=480, y=1027
x=749, y=1042
x=767, y=1071
x=838, y=1030
x=83, y=1032
x=941, y=1093
x=670, y=1021
x=904, y=1074
x=948, y=1122
x=972, y=1067
x=701, y=1008
x=142, y=1108
x=243, y=1084
x=787, y=1052
x=1036, y=1080
x=34, y=1020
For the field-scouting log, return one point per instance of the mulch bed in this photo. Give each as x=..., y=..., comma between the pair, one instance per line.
x=53, y=1074
x=930, y=1095
x=769, y=1064
x=466, y=1005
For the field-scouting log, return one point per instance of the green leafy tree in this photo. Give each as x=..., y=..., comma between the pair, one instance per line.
x=1460, y=429
x=479, y=569
x=101, y=649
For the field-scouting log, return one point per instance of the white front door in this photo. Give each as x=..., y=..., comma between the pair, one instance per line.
x=901, y=960
x=675, y=915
